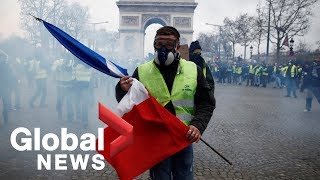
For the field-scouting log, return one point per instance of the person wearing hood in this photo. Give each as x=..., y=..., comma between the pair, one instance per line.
x=195, y=56
x=171, y=79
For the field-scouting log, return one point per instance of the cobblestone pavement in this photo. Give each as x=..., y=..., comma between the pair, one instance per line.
x=264, y=135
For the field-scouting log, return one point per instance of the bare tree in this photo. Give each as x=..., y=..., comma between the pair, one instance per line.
x=209, y=42
x=260, y=30
x=107, y=41
x=245, y=24
x=318, y=44
x=71, y=18
x=74, y=20
x=289, y=17
x=44, y=9
x=231, y=33
x=303, y=47
x=226, y=45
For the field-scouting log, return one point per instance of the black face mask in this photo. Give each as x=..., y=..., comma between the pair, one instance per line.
x=197, y=59
x=163, y=56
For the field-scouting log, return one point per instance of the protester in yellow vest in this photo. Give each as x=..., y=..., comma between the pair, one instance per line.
x=250, y=79
x=290, y=73
x=40, y=71
x=82, y=75
x=180, y=86
x=264, y=75
x=64, y=77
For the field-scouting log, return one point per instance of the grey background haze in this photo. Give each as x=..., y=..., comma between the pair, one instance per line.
x=208, y=11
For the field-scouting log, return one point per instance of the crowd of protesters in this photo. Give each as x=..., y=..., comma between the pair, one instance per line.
x=292, y=76
x=71, y=80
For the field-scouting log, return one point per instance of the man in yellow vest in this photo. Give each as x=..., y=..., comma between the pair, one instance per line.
x=290, y=73
x=264, y=75
x=40, y=71
x=179, y=86
x=64, y=76
x=82, y=74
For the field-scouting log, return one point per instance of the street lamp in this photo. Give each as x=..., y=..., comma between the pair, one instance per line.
x=219, y=36
x=291, y=42
x=251, y=49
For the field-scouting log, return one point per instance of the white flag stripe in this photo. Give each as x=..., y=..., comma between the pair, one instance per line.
x=114, y=69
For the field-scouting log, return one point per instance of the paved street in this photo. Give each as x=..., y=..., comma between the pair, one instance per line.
x=264, y=134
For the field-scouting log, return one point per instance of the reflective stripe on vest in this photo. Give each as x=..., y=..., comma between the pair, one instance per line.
x=183, y=88
x=293, y=72
x=82, y=73
x=265, y=72
x=63, y=75
x=238, y=70
x=251, y=69
x=40, y=72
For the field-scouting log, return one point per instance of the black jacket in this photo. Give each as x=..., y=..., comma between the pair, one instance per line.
x=204, y=102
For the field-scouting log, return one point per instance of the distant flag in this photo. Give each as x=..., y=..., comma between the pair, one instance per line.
x=286, y=41
x=84, y=53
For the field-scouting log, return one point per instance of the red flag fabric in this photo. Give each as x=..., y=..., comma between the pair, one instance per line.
x=157, y=134
x=286, y=41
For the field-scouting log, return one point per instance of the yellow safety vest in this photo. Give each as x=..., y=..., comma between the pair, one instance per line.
x=239, y=70
x=183, y=88
x=251, y=69
x=81, y=73
x=265, y=72
x=40, y=73
x=293, y=72
x=62, y=75
x=258, y=71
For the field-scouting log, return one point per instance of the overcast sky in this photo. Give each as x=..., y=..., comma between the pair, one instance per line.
x=208, y=11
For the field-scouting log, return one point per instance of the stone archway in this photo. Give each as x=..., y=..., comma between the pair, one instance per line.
x=137, y=15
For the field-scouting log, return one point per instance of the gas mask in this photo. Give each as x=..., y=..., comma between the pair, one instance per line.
x=165, y=51
x=163, y=56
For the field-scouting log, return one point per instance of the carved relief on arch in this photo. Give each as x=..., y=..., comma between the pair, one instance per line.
x=182, y=22
x=130, y=20
x=147, y=17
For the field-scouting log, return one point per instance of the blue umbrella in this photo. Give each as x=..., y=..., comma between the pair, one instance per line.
x=84, y=53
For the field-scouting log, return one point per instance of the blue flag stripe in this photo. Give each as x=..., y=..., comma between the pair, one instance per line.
x=85, y=54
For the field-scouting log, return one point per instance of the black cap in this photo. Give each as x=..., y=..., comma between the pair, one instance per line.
x=194, y=45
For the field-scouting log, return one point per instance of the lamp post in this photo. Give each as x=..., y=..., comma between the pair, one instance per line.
x=219, y=36
x=291, y=42
x=251, y=49
x=94, y=32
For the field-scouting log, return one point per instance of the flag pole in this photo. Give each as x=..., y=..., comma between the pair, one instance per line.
x=216, y=151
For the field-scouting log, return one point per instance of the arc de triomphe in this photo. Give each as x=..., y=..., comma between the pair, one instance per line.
x=137, y=15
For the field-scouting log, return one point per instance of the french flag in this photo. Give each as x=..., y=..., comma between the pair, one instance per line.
x=84, y=53
x=142, y=132
x=149, y=133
